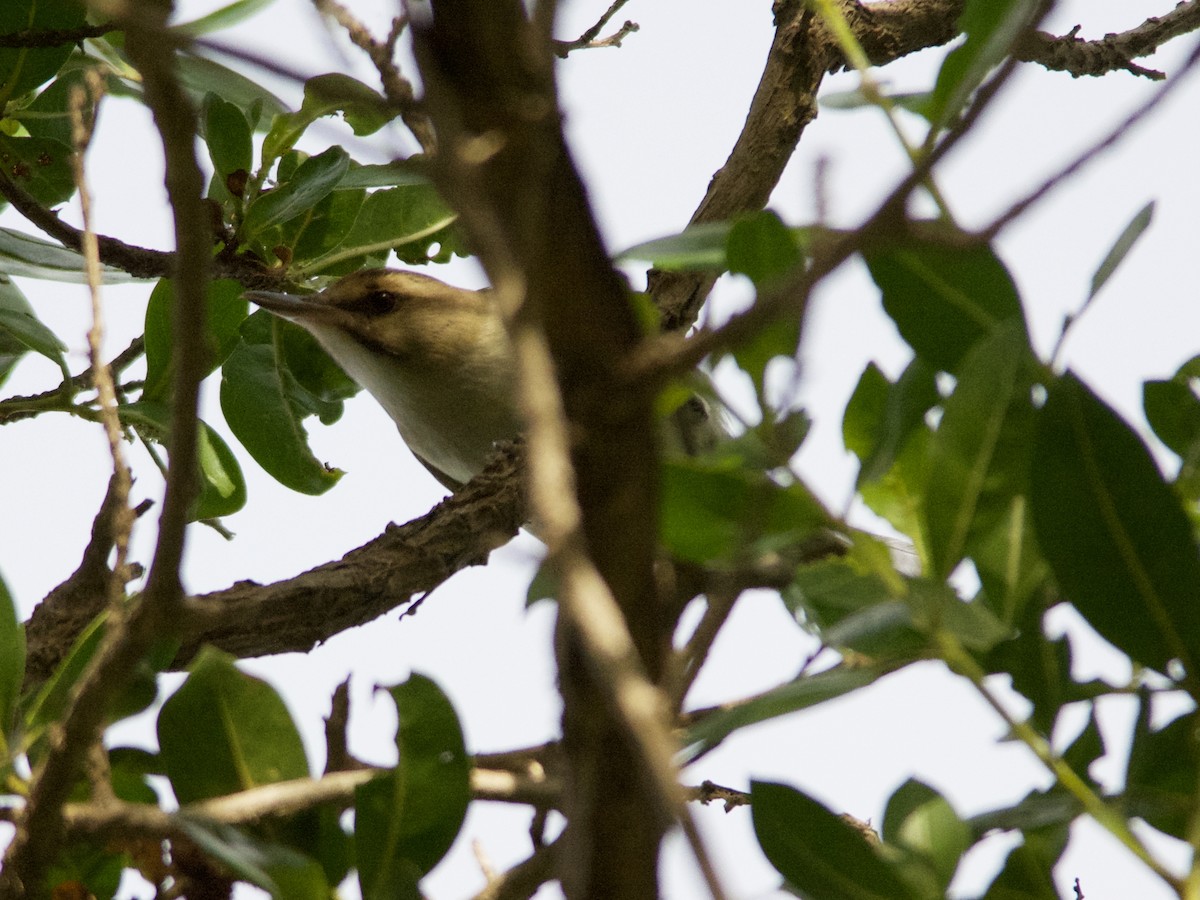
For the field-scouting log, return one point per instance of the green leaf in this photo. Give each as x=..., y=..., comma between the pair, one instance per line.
x=25, y=68
x=365, y=111
x=319, y=229
x=981, y=448
x=42, y=166
x=818, y=854
x=224, y=731
x=1026, y=875
x=281, y=871
x=82, y=868
x=922, y=822
x=401, y=173
x=1160, y=782
x=408, y=220
x=203, y=76
x=31, y=257
x=264, y=405
x=991, y=27
x=51, y=699
x=20, y=327
x=405, y=821
x=1120, y=249
x=227, y=134
x=130, y=768
x=222, y=485
x=881, y=418
x=316, y=177
x=808, y=690
x=1173, y=411
x=1113, y=530
x=761, y=247
x=712, y=510
x=698, y=247
x=12, y=667
x=225, y=17
x=944, y=296
x=226, y=309
x=48, y=116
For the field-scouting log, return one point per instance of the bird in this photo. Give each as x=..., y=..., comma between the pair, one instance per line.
x=438, y=359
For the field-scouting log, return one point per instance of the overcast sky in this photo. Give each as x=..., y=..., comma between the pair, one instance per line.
x=649, y=124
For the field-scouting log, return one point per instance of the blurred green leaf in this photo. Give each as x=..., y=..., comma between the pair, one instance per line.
x=20, y=327
x=697, y=247
x=991, y=27
x=713, y=511
x=405, y=821
x=364, y=109
x=224, y=731
x=203, y=76
x=761, y=247
x=1160, y=781
x=222, y=485
x=944, y=295
x=42, y=166
x=265, y=405
x=129, y=769
x=1113, y=531
x=85, y=869
x=1120, y=249
x=25, y=68
x=1027, y=874
x=12, y=667
x=226, y=310
x=280, y=871
x=31, y=257
x=224, y=17
x=818, y=854
x=227, y=134
x=48, y=116
x=48, y=704
x=881, y=418
x=922, y=822
x=980, y=450
x=714, y=726
x=401, y=173
x=312, y=181
x=408, y=220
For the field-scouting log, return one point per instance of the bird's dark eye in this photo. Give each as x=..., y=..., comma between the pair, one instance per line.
x=375, y=303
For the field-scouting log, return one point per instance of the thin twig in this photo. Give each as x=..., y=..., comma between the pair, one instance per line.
x=397, y=88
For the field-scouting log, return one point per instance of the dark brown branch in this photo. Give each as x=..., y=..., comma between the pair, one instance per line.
x=53, y=37
x=249, y=619
x=1113, y=52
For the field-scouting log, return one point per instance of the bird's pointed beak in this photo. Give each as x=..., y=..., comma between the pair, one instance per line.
x=289, y=306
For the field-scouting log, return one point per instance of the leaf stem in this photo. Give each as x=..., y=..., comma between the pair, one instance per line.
x=962, y=663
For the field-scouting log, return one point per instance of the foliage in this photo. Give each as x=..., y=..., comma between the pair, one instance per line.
x=982, y=455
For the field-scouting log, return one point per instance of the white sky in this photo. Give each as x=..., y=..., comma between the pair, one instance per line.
x=649, y=124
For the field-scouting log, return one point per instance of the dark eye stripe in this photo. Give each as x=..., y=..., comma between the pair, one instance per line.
x=376, y=303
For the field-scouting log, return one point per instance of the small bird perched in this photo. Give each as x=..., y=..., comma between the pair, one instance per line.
x=439, y=361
